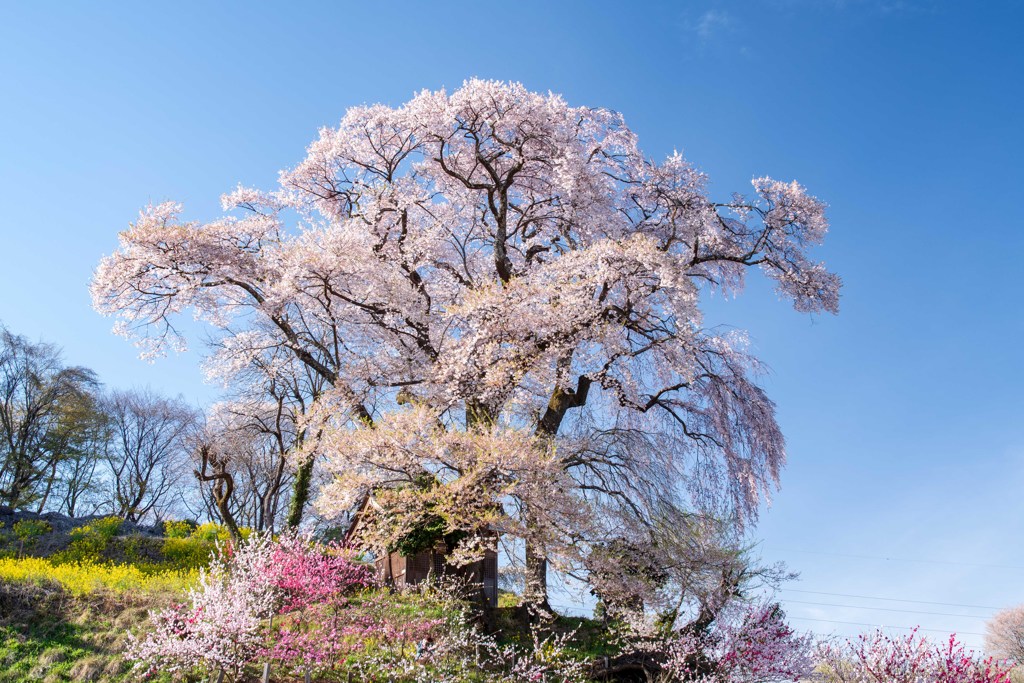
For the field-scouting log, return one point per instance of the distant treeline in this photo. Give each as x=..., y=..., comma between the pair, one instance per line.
x=69, y=445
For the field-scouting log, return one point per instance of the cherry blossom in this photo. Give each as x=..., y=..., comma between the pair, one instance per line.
x=1004, y=634
x=499, y=259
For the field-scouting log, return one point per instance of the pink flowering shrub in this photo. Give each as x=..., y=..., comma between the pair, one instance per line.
x=221, y=625
x=224, y=623
x=881, y=658
x=304, y=573
x=755, y=646
x=308, y=607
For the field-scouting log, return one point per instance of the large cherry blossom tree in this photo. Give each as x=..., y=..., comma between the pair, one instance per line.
x=492, y=266
x=1004, y=634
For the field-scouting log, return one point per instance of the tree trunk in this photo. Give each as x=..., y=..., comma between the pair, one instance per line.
x=229, y=522
x=49, y=486
x=222, y=496
x=535, y=588
x=222, y=488
x=535, y=591
x=300, y=493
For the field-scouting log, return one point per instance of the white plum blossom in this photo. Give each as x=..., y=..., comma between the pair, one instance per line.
x=220, y=626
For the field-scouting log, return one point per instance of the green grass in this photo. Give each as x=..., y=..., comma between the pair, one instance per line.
x=68, y=617
x=56, y=651
x=49, y=635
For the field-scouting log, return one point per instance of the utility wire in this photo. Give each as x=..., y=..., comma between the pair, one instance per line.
x=576, y=608
x=874, y=597
x=902, y=559
x=859, y=623
x=904, y=628
x=889, y=609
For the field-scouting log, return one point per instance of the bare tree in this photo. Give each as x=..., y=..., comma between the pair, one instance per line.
x=146, y=455
x=214, y=468
x=247, y=461
x=80, y=488
x=261, y=435
x=271, y=392
x=46, y=417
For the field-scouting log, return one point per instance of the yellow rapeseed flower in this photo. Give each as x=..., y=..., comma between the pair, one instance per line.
x=88, y=577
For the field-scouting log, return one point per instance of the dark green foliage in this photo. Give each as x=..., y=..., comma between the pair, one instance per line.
x=429, y=529
x=426, y=534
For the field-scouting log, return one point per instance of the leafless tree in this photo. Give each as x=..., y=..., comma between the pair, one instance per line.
x=262, y=437
x=147, y=453
x=253, y=439
x=80, y=488
x=46, y=417
x=270, y=392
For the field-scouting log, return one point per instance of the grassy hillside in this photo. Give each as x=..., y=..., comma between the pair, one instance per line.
x=80, y=613
x=72, y=590
x=70, y=622
x=70, y=616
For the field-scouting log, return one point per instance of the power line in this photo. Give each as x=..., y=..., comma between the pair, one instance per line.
x=860, y=623
x=903, y=559
x=888, y=609
x=873, y=597
x=903, y=628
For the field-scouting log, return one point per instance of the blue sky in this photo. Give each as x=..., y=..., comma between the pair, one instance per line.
x=903, y=414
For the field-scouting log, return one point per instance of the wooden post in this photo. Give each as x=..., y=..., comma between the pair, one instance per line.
x=307, y=678
x=266, y=665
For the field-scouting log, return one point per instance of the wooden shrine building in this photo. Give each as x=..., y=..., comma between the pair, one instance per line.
x=399, y=570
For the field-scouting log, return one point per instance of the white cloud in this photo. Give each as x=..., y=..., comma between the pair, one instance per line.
x=711, y=23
